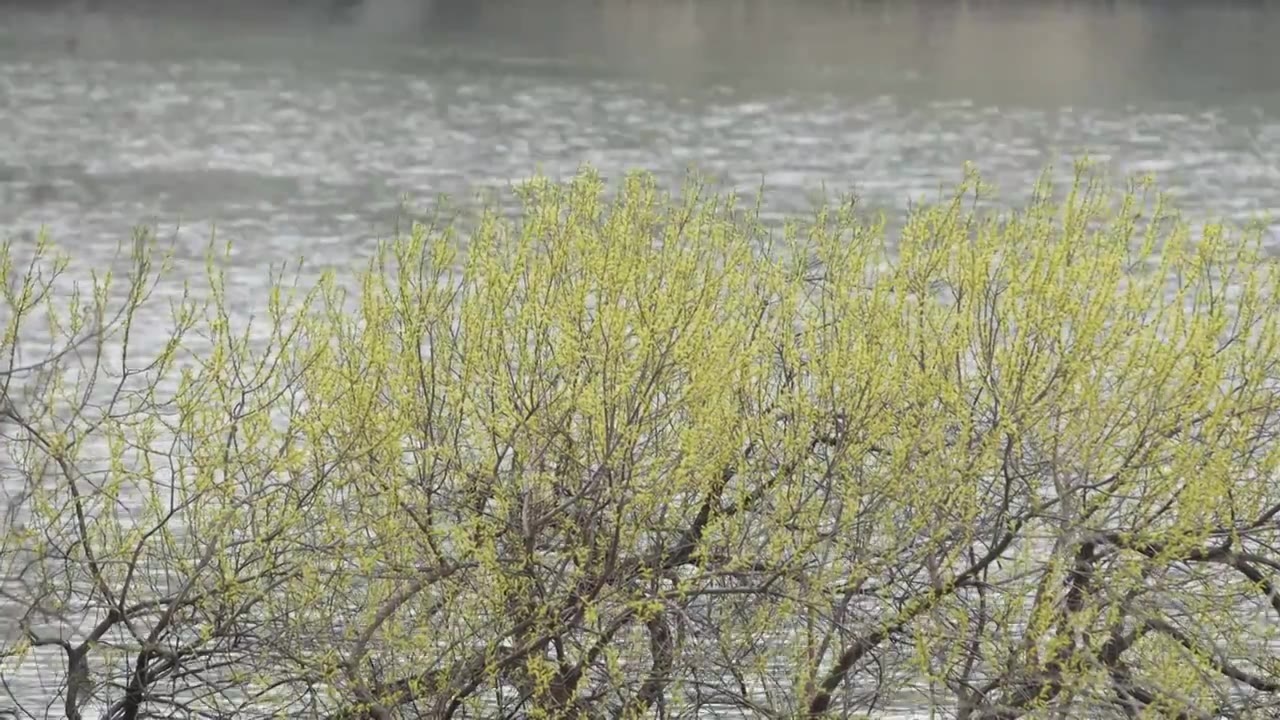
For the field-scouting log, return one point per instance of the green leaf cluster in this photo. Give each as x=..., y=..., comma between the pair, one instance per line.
x=634, y=454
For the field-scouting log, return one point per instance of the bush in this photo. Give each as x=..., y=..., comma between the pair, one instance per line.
x=643, y=456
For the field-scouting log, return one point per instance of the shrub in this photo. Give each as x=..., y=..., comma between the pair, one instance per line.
x=643, y=456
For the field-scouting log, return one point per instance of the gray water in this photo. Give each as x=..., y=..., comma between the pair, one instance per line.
x=296, y=137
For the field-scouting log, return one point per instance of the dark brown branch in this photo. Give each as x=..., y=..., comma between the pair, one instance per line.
x=1214, y=659
x=661, y=646
x=1222, y=554
x=821, y=702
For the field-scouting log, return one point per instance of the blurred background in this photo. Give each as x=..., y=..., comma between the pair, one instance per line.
x=303, y=124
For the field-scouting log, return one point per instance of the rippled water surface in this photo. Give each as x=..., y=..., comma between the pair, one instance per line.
x=302, y=139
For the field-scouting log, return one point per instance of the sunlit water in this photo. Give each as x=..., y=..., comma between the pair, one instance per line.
x=304, y=141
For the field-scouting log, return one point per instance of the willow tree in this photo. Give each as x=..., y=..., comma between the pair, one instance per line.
x=633, y=455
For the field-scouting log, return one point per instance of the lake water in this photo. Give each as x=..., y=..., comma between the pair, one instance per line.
x=299, y=137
